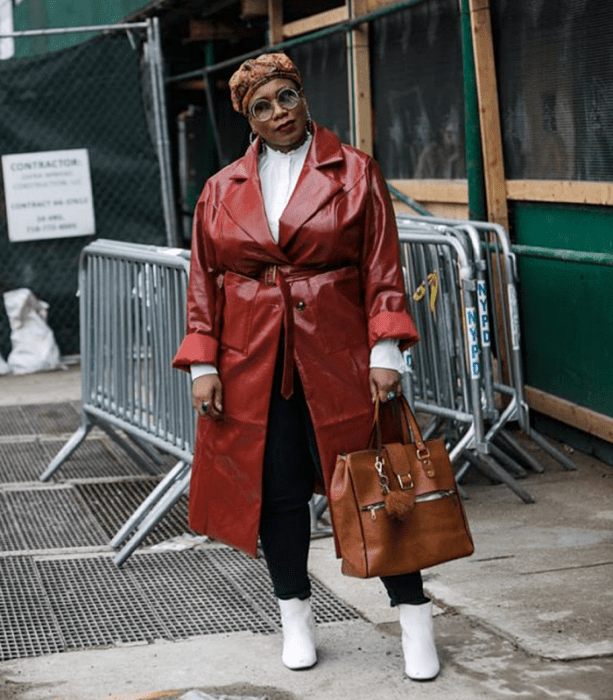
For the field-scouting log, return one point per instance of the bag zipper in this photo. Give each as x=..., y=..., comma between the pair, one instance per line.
x=434, y=496
x=372, y=508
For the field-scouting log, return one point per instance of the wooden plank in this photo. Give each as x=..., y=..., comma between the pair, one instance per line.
x=565, y=191
x=214, y=30
x=252, y=9
x=190, y=85
x=319, y=21
x=585, y=419
x=373, y=5
x=360, y=100
x=489, y=111
x=448, y=211
x=445, y=191
x=275, y=21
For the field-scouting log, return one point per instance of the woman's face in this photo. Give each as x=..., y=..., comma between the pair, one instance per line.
x=286, y=128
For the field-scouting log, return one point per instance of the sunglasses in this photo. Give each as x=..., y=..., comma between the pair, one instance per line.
x=262, y=110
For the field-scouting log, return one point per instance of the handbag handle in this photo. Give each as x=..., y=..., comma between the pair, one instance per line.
x=421, y=449
x=409, y=423
x=374, y=441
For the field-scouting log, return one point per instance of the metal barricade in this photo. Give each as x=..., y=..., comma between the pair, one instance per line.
x=446, y=373
x=132, y=318
x=495, y=270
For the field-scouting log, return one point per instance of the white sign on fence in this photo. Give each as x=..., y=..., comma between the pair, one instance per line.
x=48, y=195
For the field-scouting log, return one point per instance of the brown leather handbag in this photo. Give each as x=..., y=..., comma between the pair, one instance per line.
x=396, y=507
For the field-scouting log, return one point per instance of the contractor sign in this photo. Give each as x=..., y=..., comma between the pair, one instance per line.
x=48, y=195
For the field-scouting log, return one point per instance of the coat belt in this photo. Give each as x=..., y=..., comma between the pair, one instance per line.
x=280, y=276
x=274, y=276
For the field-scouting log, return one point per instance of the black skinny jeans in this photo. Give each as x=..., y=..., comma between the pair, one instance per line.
x=291, y=461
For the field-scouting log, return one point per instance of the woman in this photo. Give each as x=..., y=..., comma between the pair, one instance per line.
x=295, y=321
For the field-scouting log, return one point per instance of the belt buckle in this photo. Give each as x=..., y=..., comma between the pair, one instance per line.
x=270, y=276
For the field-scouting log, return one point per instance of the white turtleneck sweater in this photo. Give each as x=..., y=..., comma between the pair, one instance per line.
x=279, y=173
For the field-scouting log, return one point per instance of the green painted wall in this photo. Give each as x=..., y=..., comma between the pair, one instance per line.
x=567, y=308
x=47, y=14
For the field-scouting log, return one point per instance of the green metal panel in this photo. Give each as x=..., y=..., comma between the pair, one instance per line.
x=567, y=312
x=48, y=14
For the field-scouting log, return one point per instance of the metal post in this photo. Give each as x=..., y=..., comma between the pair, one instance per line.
x=155, y=64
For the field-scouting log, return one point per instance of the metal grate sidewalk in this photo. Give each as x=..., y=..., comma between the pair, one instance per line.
x=59, y=587
x=54, y=604
x=37, y=419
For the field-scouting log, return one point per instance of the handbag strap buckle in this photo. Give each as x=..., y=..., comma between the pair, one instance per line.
x=405, y=486
x=423, y=455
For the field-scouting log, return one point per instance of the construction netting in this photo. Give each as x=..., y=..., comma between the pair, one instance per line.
x=93, y=96
x=555, y=63
x=323, y=64
x=417, y=84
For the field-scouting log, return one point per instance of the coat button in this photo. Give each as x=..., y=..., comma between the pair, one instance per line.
x=300, y=306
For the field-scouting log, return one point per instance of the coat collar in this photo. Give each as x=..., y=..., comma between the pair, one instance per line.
x=317, y=184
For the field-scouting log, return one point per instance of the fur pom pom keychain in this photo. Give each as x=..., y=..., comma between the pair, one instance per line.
x=398, y=503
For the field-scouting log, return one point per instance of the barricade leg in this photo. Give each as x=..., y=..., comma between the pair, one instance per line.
x=466, y=442
x=153, y=517
x=462, y=470
x=483, y=460
x=75, y=440
x=518, y=449
x=474, y=460
x=546, y=446
x=175, y=474
x=508, y=462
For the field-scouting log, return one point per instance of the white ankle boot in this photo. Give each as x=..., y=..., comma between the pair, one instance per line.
x=298, y=633
x=420, y=657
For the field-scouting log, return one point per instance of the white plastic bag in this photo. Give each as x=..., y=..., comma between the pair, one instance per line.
x=33, y=344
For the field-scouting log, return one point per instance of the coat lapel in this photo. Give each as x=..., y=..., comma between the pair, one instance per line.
x=245, y=205
x=317, y=184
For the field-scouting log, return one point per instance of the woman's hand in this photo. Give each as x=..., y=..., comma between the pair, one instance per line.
x=207, y=395
x=384, y=381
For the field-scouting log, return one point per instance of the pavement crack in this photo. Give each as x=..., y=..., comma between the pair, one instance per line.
x=566, y=568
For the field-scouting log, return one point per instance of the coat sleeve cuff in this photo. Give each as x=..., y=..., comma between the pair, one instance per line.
x=196, y=348
x=392, y=324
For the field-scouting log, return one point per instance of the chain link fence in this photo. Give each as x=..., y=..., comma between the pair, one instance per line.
x=104, y=95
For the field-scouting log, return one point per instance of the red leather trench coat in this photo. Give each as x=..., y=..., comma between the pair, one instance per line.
x=335, y=281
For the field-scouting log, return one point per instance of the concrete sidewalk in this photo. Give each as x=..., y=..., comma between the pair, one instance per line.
x=528, y=616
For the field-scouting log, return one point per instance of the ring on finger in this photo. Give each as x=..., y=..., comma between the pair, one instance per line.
x=204, y=406
x=391, y=395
